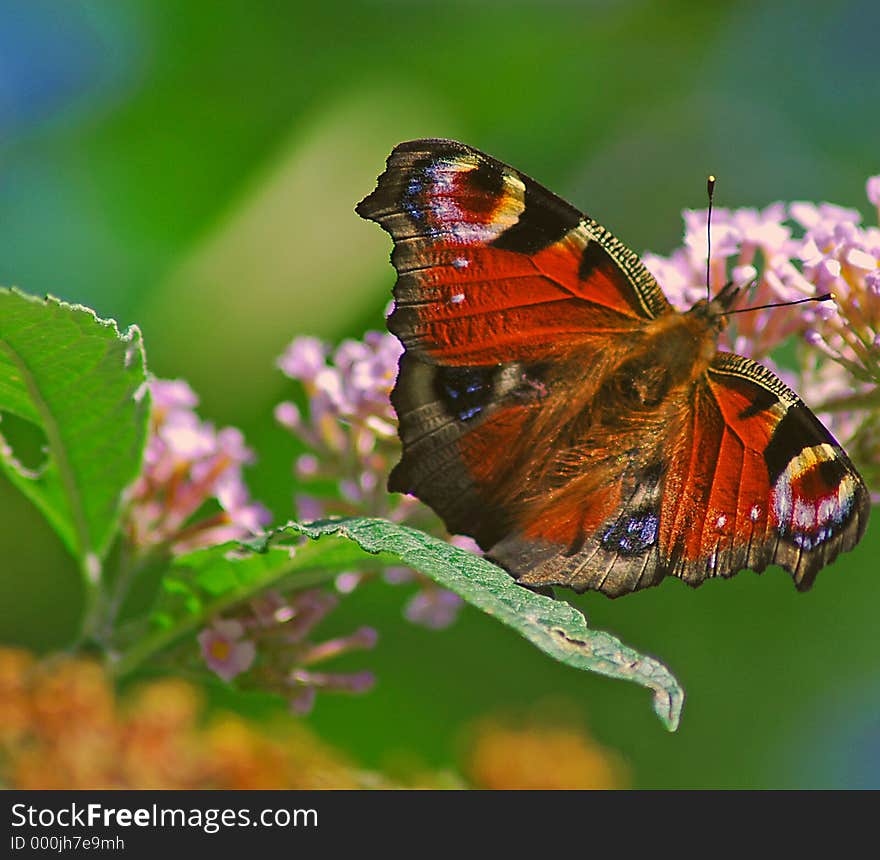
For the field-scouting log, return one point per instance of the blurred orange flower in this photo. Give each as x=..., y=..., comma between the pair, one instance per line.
x=61, y=726
x=545, y=757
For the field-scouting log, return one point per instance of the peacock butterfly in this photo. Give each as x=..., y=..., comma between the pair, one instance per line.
x=557, y=408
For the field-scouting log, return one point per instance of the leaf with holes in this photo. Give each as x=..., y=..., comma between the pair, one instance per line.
x=80, y=381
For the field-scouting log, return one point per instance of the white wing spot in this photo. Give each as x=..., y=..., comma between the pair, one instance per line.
x=460, y=263
x=721, y=521
x=804, y=516
x=755, y=513
x=457, y=299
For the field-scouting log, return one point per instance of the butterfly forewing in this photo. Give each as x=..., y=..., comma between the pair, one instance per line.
x=494, y=267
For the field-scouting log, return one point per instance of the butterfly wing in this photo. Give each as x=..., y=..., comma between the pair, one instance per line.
x=751, y=478
x=506, y=297
x=758, y=480
x=492, y=266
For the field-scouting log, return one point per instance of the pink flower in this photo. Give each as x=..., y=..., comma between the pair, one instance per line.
x=170, y=394
x=187, y=464
x=349, y=425
x=226, y=653
x=279, y=628
x=872, y=189
x=304, y=359
x=841, y=256
x=288, y=416
x=434, y=608
x=762, y=228
x=812, y=215
x=682, y=277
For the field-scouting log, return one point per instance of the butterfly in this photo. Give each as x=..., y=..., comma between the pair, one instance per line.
x=554, y=406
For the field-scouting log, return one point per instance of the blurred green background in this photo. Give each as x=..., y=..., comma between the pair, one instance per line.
x=192, y=167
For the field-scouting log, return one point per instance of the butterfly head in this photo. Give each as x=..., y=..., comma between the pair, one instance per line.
x=716, y=310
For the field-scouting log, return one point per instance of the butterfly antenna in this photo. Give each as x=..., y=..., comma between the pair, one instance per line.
x=710, y=190
x=825, y=297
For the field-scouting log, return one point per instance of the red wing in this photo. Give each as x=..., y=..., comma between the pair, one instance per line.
x=493, y=267
x=756, y=479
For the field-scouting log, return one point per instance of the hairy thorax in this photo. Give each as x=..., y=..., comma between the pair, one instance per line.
x=657, y=371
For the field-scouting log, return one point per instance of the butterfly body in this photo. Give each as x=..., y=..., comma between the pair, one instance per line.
x=557, y=408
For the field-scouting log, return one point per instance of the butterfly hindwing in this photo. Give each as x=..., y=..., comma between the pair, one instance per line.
x=444, y=413
x=614, y=549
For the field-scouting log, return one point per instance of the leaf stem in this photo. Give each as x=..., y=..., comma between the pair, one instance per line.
x=95, y=599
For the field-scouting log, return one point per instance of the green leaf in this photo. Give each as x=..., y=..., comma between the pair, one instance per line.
x=554, y=626
x=81, y=382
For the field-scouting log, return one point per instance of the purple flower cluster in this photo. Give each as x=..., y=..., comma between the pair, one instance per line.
x=188, y=466
x=269, y=640
x=791, y=252
x=349, y=426
x=350, y=430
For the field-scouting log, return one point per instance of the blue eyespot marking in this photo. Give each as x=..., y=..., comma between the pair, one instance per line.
x=811, y=541
x=465, y=414
x=465, y=390
x=632, y=534
x=409, y=199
